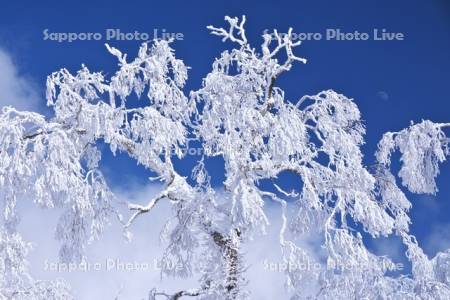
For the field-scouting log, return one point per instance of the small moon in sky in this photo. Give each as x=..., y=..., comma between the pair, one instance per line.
x=383, y=95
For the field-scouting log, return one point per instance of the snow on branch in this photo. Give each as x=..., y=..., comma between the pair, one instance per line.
x=154, y=294
x=283, y=41
x=246, y=121
x=235, y=25
x=423, y=147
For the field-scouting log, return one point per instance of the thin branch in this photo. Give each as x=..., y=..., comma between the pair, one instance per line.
x=178, y=295
x=140, y=209
x=230, y=34
x=283, y=42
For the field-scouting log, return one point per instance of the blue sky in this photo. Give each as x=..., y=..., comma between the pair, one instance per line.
x=392, y=82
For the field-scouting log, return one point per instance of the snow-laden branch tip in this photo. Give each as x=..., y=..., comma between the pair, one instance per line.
x=247, y=121
x=235, y=33
x=155, y=295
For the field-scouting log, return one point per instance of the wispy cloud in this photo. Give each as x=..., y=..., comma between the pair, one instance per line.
x=391, y=247
x=144, y=248
x=111, y=253
x=16, y=89
x=383, y=95
x=438, y=240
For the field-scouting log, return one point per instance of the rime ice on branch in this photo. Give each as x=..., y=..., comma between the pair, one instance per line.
x=240, y=115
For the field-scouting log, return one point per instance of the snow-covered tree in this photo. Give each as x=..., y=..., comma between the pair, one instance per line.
x=242, y=116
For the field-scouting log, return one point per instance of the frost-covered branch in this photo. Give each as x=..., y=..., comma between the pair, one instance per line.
x=189, y=293
x=239, y=115
x=422, y=146
x=234, y=23
x=283, y=42
x=140, y=209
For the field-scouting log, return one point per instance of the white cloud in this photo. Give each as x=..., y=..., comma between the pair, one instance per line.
x=383, y=95
x=15, y=88
x=391, y=247
x=266, y=283
x=112, y=251
x=438, y=240
x=145, y=247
